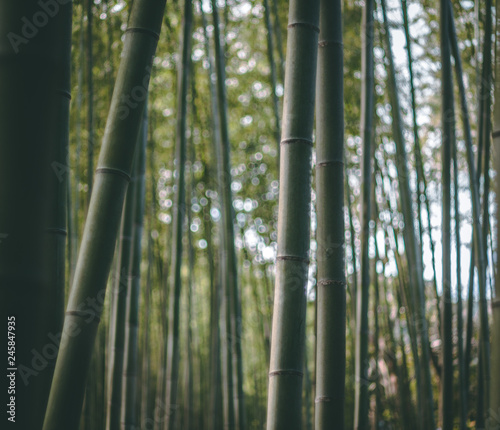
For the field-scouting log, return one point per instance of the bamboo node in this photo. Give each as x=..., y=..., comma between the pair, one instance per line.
x=495, y=133
x=495, y=303
x=114, y=171
x=64, y=93
x=339, y=282
x=55, y=230
x=322, y=399
x=82, y=314
x=329, y=163
x=144, y=31
x=304, y=24
x=323, y=43
x=292, y=258
x=286, y=372
x=297, y=140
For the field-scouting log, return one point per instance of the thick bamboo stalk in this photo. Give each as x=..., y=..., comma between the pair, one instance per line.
x=361, y=405
x=96, y=253
x=287, y=348
x=173, y=350
x=34, y=102
x=331, y=283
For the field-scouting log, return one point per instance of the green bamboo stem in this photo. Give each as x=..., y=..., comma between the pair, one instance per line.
x=411, y=244
x=279, y=41
x=129, y=416
x=287, y=348
x=230, y=283
x=90, y=98
x=273, y=79
x=96, y=253
x=173, y=350
x=117, y=332
x=448, y=113
x=460, y=324
x=361, y=405
x=331, y=284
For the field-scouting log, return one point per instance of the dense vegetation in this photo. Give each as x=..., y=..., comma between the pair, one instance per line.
x=143, y=151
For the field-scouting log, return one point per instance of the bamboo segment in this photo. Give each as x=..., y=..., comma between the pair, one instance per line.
x=287, y=348
x=331, y=284
x=97, y=249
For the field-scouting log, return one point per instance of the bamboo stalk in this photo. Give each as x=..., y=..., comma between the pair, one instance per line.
x=105, y=210
x=331, y=280
x=448, y=114
x=173, y=350
x=287, y=348
x=361, y=405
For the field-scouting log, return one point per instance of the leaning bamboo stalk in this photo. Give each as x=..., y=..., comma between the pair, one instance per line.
x=96, y=253
x=292, y=262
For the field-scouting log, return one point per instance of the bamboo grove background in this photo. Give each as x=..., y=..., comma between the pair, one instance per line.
x=179, y=335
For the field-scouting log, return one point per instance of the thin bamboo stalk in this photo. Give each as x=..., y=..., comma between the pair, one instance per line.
x=411, y=244
x=173, y=350
x=361, y=405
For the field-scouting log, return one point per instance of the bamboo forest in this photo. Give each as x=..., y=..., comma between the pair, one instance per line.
x=250, y=214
